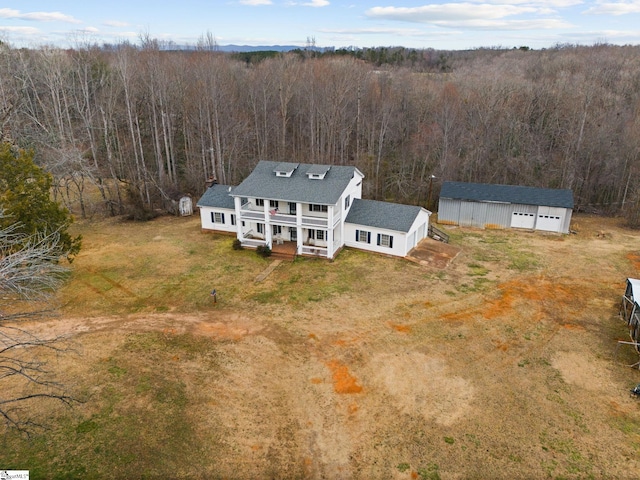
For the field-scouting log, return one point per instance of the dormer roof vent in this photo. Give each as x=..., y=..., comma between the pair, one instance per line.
x=285, y=169
x=317, y=172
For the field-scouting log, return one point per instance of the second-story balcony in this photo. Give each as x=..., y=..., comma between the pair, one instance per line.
x=249, y=211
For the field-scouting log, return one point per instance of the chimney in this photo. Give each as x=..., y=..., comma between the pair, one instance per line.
x=210, y=182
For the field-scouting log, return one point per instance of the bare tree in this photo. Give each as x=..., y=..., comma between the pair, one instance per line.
x=29, y=272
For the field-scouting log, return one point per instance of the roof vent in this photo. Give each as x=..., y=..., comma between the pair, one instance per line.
x=317, y=172
x=285, y=169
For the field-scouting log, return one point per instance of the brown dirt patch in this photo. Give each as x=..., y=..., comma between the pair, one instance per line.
x=432, y=253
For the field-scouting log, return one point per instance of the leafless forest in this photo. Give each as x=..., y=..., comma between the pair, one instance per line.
x=143, y=124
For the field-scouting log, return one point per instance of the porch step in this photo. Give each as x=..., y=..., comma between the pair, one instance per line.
x=283, y=256
x=284, y=251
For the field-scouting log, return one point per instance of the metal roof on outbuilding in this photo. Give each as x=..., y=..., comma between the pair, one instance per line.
x=389, y=216
x=482, y=192
x=217, y=196
x=263, y=183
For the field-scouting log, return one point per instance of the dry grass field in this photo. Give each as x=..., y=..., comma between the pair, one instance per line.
x=501, y=364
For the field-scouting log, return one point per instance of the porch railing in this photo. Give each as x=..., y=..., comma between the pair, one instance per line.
x=252, y=242
x=311, y=250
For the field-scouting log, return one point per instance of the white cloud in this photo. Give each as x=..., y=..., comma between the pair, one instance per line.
x=20, y=30
x=550, y=4
x=37, y=16
x=448, y=12
x=115, y=23
x=256, y=2
x=316, y=3
x=541, y=24
x=472, y=16
x=403, y=32
x=615, y=8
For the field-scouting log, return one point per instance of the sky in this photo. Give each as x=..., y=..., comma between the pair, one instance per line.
x=438, y=24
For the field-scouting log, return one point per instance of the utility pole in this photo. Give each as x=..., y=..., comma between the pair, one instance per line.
x=431, y=177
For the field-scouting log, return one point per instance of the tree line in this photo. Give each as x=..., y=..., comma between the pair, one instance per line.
x=130, y=128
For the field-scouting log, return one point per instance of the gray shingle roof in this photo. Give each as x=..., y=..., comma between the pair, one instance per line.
x=217, y=196
x=482, y=192
x=390, y=216
x=262, y=182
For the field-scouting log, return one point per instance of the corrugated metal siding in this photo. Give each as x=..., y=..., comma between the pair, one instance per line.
x=490, y=215
x=516, y=207
x=498, y=215
x=448, y=211
x=566, y=224
x=474, y=214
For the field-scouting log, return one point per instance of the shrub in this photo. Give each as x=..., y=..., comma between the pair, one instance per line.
x=263, y=251
x=237, y=244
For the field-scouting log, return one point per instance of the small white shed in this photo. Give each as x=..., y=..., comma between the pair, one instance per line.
x=185, y=206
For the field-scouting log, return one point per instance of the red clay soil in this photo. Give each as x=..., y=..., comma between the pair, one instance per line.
x=343, y=381
x=634, y=258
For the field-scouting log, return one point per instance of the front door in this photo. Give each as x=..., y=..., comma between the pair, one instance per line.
x=293, y=234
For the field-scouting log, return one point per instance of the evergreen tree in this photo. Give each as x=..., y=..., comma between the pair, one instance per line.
x=25, y=199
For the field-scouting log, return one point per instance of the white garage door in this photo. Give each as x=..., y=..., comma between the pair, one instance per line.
x=549, y=223
x=523, y=220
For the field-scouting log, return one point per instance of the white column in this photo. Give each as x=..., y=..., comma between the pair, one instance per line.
x=329, y=235
x=237, y=203
x=299, y=239
x=267, y=224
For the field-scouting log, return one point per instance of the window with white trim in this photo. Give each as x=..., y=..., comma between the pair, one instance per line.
x=347, y=201
x=233, y=219
x=319, y=234
x=217, y=217
x=385, y=240
x=363, y=236
x=260, y=227
x=317, y=208
x=276, y=229
x=259, y=202
x=273, y=203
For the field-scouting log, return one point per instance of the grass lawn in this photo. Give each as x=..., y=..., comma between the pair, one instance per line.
x=501, y=365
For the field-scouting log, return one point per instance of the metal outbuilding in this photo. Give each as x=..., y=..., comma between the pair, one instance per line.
x=505, y=206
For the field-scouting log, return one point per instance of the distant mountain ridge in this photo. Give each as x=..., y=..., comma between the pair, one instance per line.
x=247, y=48
x=259, y=48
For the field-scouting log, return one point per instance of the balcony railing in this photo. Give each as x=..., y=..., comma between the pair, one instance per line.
x=249, y=211
x=283, y=219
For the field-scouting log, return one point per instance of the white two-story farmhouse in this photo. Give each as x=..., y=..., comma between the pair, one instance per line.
x=316, y=208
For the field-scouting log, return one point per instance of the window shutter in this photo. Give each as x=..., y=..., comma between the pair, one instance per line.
x=390, y=241
x=378, y=239
x=222, y=215
x=368, y=237
x=357, y=235
x=213, y=217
